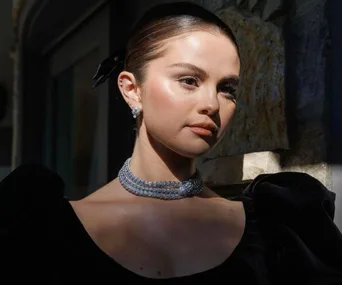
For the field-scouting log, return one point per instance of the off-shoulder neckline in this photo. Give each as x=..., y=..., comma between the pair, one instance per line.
x=92, y=244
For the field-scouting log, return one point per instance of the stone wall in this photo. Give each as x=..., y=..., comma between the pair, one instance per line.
x=302, y=107
x=259, y=122
x=307, y=49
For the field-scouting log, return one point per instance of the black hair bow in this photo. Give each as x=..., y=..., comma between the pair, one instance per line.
x=106, y=67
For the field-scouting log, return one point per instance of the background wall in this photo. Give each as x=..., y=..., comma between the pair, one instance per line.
x=6, y=81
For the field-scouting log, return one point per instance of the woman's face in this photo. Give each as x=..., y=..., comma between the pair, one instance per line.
x=188, y=96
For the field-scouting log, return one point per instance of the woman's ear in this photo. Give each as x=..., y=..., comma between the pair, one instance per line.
x=129, y=89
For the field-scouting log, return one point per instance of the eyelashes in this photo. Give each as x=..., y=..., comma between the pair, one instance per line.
x=188, y=81
x=228, y=89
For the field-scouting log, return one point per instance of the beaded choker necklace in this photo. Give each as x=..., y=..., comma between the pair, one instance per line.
x=166, y=190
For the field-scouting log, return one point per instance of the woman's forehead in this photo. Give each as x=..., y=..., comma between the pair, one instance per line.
x=203, y=49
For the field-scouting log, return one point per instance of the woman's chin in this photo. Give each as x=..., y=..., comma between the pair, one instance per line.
x=195, y=152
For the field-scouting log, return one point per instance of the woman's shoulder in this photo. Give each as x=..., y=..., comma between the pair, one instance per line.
x=299, y=192
x=31, y=181
x=27, y=190
x=295, y=215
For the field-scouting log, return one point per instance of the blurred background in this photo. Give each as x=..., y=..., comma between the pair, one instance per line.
x=289, y=116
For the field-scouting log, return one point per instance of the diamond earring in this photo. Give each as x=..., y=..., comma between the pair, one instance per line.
x=136, y=112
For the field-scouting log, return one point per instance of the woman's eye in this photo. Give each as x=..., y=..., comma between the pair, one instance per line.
x=191, y=81
x=229, y=91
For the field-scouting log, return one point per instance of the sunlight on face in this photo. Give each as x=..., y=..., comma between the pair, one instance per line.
x=188, y=97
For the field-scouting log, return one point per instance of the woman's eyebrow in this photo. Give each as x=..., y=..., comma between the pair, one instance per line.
x=191, y=67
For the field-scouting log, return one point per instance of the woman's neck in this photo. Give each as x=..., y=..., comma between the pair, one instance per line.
x=152, y=161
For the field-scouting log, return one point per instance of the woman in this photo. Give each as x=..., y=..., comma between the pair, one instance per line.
x=157, y=222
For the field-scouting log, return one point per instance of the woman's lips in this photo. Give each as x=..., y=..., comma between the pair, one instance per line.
x=204, y=128
x=201, y=131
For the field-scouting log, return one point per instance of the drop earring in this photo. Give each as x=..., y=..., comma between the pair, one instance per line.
x=136, y=112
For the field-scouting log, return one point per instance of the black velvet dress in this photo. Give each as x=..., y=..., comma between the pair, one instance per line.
x=290, y=236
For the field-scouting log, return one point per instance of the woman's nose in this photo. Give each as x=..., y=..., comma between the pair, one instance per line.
x=209, y=103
